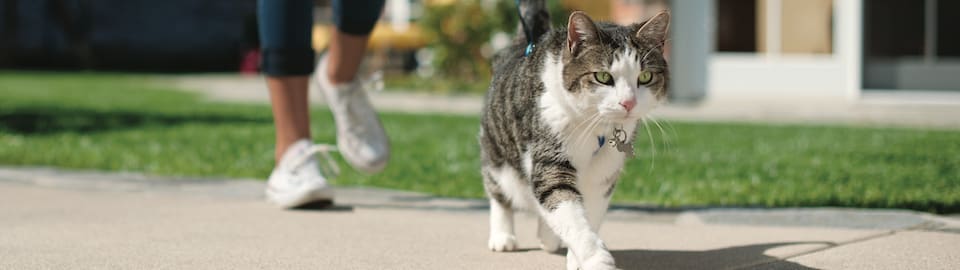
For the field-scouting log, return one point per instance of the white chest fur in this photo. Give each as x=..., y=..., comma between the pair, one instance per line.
x=579, y=134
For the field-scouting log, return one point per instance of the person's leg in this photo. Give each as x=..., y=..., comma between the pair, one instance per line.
x=287, y=62
x=354, y=21
x=344, y=56
x=360, y=136
x=285, y=33
x=291, y=118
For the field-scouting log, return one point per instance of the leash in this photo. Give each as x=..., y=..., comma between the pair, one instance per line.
x=526, y=31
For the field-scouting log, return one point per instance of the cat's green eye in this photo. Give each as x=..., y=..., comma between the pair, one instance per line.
x=644, y=78
x=603, y=77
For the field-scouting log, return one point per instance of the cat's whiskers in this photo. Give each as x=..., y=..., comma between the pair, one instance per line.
x=571, y=132
x=653, y=147
x=594, y=123
x=585, y=133
x=664, y=137
x=669, y=131
x=574, y=135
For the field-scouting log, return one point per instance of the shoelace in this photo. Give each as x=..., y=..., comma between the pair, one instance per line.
x=356, y=95
x=374, y=82
x=328, y=167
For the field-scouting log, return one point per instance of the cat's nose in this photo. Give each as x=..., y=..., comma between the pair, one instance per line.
x=628, y=104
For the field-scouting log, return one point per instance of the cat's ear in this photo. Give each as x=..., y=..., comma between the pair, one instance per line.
x=655, y=28
x=580, y=29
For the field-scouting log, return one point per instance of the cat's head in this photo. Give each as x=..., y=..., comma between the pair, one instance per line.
x=615, y=71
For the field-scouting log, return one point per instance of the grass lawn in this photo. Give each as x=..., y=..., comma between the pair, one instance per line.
x=131, y=123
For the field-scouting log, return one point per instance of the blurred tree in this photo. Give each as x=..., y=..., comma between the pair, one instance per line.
x=461, y=30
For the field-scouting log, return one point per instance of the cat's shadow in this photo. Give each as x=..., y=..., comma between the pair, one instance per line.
x=737, y=257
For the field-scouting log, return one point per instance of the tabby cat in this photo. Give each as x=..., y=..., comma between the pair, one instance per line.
x=550, y=122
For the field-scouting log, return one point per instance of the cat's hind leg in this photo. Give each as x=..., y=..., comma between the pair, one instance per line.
x=502, y=237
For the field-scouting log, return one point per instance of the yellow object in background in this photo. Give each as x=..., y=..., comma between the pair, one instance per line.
x=383, y=37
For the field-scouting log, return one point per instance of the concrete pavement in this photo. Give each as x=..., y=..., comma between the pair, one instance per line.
x=53, y=219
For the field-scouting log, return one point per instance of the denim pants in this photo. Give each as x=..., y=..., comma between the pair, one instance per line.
x=286, y=27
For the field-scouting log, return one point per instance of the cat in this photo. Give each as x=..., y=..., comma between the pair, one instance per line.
x=549, y=121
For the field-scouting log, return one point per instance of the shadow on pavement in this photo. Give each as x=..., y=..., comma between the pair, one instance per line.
x=46, y=120
x=324, y=206
x=739, y=257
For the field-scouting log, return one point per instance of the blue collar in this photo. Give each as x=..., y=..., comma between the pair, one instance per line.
x=600, y=141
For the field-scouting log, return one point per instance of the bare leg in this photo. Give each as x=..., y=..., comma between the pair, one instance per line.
x=345, y=55
x=288, y=94
x=291, y=118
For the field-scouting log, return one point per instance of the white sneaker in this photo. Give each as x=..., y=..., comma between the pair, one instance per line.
x=298, y=180
x=360, y=136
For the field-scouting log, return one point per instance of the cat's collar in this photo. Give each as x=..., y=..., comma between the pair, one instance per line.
x=619, y=140
x=600, y=141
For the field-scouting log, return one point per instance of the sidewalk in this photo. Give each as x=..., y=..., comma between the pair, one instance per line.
x=885, y=108
x=81, y=220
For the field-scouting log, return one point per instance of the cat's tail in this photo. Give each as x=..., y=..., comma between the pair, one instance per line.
x=536, y=18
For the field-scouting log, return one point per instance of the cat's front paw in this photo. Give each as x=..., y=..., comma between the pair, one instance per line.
x=502, y=242
x=601, y=260
x=572, y=262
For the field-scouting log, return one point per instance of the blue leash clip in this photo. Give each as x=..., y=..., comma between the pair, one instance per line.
x=526, y=31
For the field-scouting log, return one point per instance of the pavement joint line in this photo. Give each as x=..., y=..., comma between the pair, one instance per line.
x=816, y=250
x=928, y=225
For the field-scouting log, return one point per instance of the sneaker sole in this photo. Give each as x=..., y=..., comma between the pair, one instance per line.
x=356, y=163
x=301, y=197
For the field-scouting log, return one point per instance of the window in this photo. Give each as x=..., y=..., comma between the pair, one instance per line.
x=948, y=42
x=737, y=25
x=911, y=45
x=775, y=26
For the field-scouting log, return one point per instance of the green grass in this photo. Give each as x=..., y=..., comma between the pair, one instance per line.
x=132, y=123
x=437, y=85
